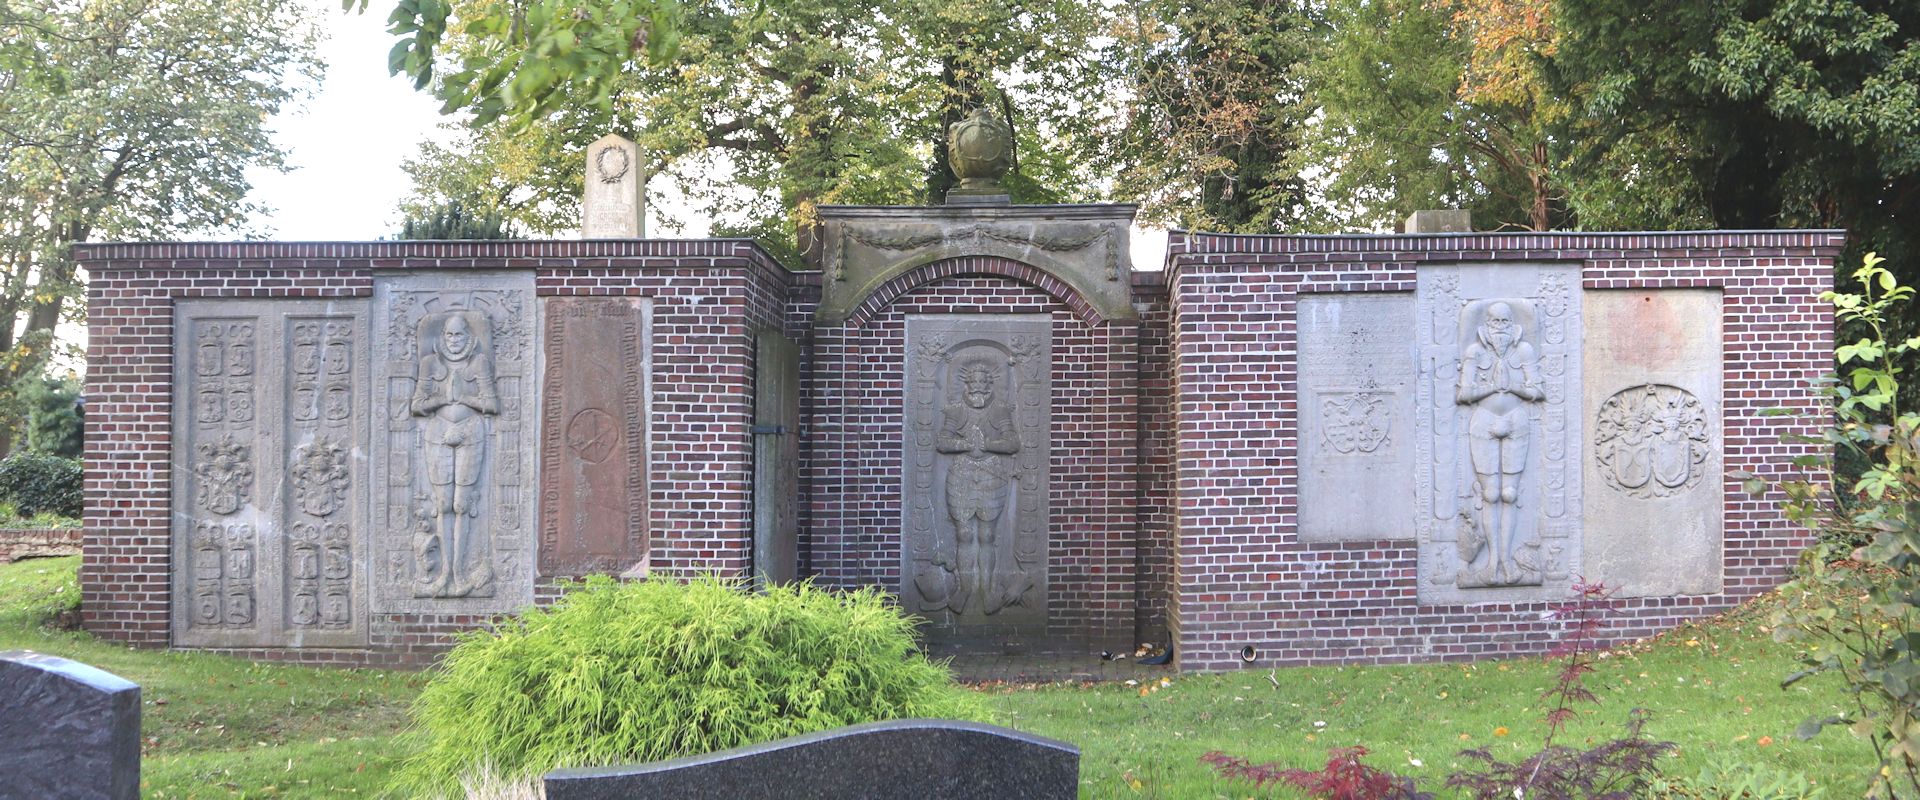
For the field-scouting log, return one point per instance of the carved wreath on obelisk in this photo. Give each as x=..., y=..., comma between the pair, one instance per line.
x=1499, y=385
x=1652, y=441
x=454, y=392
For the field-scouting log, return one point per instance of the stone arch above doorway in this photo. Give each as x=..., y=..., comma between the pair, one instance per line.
x=864, y=250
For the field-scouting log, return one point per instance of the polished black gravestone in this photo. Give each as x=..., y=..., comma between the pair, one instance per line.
x=67, y=730
x=899, y=760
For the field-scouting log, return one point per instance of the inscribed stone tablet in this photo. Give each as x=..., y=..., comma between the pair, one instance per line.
x=978, y=431
x=454, y=494
x=594, y=478
x=270, y=542
x=1356, y=416
x=1498, y=410
x=1653, y=506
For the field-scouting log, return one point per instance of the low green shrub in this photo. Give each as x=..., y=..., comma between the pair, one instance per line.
x=1734, y=779
x=36, y=482
x=626, y=672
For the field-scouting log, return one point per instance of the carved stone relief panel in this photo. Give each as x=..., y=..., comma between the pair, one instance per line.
x=594, y=475
x=270, y=523
x=454, y=372
x=1497, y=404
x=1653, y=514
x=974, y=495
x=1356, y=416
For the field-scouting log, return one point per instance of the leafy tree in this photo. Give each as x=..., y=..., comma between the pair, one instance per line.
x=1212, y=112
x=1752, y=114
x=128, y=119
x=52, y=411
x=1855, y=607
x=518, y=176
x=1782, y=112
x=1434, y=104
x=798, y=103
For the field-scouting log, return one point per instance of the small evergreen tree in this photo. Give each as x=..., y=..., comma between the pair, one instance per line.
x=452, y=221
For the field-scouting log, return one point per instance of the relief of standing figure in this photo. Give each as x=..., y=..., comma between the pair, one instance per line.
x=1499, y=378
x=976, y=433
x=454, y=390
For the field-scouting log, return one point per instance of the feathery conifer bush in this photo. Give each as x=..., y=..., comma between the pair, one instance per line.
x=627, y=672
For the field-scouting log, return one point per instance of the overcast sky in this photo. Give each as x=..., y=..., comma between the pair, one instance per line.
x=347, y=144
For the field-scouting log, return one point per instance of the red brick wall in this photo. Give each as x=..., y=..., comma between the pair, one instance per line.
x=856, y=433
x=1173, y=488
x=1241, y=577
x=709, y=296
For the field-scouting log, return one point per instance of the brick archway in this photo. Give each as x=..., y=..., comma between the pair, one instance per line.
x=974, y=265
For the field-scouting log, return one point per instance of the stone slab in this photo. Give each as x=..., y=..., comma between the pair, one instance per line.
x=1656, y=487
x=67, y=730
x=898, y=760
x=613, y=203
x=776, y=458
x=1085, y=246
x=1356, y=383
x=594, y=457
x=270, y=473
x=1447, y=220
x=975, y=483
x=1498, y=410
x=455, y=495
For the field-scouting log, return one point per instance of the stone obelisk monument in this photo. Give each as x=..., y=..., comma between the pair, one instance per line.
x=614, y=205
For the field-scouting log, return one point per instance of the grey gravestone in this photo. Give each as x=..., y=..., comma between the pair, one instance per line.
x=1356, y=417
x=1497, y=486
x=900, y=760
x=67, y=730
x=454, y=457
x=1654, y=497
x=269, y=530
x=614, y=203
x=975, y=481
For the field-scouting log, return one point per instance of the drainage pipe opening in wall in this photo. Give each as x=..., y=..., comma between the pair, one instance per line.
x=1247, y=653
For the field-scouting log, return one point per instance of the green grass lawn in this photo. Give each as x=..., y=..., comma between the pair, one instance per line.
x=222, y=727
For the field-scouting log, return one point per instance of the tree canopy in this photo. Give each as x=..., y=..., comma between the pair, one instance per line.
x=128, y=120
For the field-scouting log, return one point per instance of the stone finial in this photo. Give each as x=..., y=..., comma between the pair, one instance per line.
x=1450, y=220
x=980, y=151
x=614, y=205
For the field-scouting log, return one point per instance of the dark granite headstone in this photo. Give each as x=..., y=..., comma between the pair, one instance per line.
x=898, y=760
x=67, y=730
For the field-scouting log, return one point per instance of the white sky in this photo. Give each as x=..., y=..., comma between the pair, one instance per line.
x=346, y=146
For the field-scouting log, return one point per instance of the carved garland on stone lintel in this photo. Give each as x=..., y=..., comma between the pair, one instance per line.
x=977, y=235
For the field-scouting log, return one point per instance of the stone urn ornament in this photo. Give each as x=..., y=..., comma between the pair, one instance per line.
x=980, y=151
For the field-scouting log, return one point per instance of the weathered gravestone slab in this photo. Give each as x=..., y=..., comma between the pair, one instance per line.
x=975, y=481
x=454, y=455
x=1356, y=417
x=269, y=475
x=898, y=760
x=67, y=730
x=1653, y=509
x=1498, y=416
x=593, y=509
